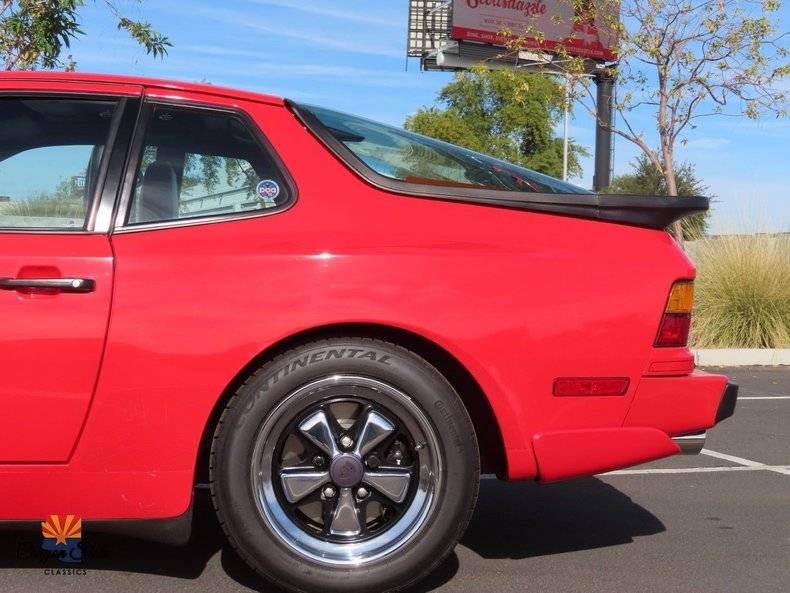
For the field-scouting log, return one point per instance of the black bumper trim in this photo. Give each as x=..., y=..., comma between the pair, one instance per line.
x=727, y=403
x=174, y=531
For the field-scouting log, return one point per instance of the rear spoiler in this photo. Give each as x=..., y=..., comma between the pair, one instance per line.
x=656, y=212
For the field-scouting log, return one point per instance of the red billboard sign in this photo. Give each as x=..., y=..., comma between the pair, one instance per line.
x=561, y=26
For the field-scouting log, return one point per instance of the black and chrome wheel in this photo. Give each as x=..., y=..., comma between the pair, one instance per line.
x=345, y=465
x=351, y=476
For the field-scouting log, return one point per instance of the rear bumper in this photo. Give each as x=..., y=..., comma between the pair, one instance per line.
x=692, y=444
x=682, y=405
x=669, y=415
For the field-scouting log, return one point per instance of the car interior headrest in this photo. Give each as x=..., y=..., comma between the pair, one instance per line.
x=159, y=194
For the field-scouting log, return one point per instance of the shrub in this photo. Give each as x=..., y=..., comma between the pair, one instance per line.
x=742, y=292
x=45, y=207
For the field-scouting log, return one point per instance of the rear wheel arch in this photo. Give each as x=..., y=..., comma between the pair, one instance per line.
x=493, y=457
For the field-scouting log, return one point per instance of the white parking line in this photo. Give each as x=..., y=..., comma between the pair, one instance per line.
x=738, y=460
x=696, y=470
x=744, y=465
x=765, y=397
x=746, y=462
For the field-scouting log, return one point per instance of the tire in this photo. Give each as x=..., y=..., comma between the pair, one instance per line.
x=395, y=494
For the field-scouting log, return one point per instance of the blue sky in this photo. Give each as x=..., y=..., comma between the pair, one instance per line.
x=350, y=55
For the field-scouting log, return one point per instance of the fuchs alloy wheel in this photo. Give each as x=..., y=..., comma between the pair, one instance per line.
x=348, y=465
x=352, y=476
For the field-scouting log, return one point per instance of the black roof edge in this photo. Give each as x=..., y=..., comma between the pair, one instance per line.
x=656, y=212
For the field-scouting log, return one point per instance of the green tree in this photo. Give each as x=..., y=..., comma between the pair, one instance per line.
x=508, y=114
x=645, y=179
x=35, y=33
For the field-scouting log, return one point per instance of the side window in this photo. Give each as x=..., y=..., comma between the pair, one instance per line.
x=198, y=163
x=50, y=155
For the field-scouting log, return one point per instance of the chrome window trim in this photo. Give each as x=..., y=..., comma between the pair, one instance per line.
x=200, y=220
x=104, y=166
x=104, y=212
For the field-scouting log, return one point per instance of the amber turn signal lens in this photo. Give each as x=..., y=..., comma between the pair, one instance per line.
x=681, y=298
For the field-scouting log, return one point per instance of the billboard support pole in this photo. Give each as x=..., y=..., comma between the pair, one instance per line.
x=604, y=106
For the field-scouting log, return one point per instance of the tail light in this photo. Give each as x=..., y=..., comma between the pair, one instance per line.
x=674, y=328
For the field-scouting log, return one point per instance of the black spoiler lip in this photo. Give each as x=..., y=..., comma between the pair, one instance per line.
x=656, y=212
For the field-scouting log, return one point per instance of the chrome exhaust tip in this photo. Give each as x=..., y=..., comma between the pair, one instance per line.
x=691, y=444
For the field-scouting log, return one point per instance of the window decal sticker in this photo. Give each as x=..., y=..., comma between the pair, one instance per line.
x=267, y=190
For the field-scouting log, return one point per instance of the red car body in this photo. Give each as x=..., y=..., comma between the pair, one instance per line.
x=109, y=397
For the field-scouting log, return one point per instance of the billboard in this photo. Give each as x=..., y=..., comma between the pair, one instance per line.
x=485, y=21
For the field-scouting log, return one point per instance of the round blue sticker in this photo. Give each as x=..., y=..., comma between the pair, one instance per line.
x=267, y=191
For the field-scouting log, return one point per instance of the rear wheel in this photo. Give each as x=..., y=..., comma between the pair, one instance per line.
x=345, y=465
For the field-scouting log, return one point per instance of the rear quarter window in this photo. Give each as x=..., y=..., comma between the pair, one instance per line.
x=199, y=163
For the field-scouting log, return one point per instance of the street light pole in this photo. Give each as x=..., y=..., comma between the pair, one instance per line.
x=565, y=129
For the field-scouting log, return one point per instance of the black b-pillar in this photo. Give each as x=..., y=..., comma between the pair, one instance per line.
x=604, y=105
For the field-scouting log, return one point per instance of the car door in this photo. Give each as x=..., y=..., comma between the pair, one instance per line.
x=62, y=151
x=200, y=233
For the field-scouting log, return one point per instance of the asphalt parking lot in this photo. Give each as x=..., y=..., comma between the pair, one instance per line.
x=715, y=522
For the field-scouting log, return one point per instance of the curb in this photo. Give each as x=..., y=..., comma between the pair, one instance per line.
x=733, y=357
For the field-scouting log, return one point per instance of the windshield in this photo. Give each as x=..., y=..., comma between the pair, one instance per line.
x=413, y=158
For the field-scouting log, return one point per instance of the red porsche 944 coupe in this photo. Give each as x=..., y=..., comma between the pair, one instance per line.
x=334, y=324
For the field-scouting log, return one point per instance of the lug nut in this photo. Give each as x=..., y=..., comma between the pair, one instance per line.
x=362, y=492
x=329, y=492
x=346, y=442
x=373, y=461
x=318, y=461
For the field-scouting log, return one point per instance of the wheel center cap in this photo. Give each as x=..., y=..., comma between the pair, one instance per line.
x=346, y=470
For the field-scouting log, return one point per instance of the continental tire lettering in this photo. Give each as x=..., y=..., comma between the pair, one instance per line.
x=320, y=356
x=309, y=359
x=330, y=354
x=446, y=415
x=250, y=403
x=299, y=362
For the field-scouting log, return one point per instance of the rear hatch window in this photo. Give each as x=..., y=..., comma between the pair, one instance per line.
x=412, y=158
